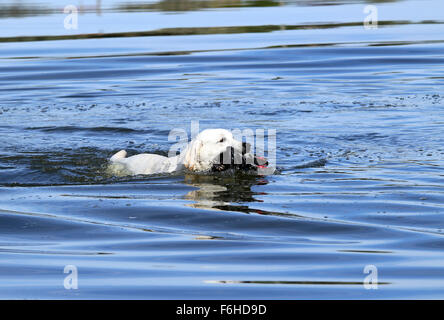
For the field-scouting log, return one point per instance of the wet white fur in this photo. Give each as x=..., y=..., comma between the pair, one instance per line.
x=199, y=155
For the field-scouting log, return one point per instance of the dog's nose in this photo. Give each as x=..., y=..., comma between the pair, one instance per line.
x=260, y=161
x=246, y=147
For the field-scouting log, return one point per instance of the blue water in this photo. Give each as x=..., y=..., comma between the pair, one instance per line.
x=360, y=150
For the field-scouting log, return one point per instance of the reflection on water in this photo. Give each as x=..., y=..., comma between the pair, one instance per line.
x=18, y=9
x=191, y=5
x=229, y=30
x=321, y=283
x=23, y=8
x=223, y=192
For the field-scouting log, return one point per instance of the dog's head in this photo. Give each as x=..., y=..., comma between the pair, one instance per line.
x=217, y=150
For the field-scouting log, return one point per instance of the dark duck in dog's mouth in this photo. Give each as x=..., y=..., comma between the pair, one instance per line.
x=230, y=159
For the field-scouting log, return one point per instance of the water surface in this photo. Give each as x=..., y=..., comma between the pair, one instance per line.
x=360, y=148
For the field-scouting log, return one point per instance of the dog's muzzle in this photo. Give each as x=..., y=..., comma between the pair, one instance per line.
x=245, y=161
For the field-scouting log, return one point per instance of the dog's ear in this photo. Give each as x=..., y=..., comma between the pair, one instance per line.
x=192, y=155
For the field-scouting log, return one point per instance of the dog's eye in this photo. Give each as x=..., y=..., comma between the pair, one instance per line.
x=222, y=140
